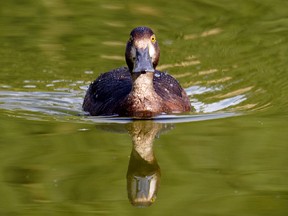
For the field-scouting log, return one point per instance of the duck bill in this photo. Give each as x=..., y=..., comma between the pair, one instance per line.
x=143, y=190
x=143, y=61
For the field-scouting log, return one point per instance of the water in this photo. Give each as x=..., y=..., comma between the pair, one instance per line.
x=227, y=157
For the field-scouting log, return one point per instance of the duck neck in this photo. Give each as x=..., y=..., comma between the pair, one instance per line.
x=143, y=101
x=143, y=85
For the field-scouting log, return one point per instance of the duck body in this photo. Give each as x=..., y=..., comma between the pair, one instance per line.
x=138, y=90
x=110, y=94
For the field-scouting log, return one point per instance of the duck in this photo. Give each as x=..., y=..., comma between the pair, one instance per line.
x=137, y=90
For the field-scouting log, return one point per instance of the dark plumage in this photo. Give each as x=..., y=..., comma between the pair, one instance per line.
x=139, y=90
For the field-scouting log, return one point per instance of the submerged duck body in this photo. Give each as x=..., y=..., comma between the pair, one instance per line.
x=138, y=90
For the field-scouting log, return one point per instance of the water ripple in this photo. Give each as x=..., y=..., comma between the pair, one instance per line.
x=64, y=106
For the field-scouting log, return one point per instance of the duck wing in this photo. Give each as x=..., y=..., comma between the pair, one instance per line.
x=169, y=89
x=105, y=94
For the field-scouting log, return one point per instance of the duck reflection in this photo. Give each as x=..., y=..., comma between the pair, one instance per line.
x=143, y=175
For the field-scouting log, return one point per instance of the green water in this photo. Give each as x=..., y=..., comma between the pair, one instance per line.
x=228, y=157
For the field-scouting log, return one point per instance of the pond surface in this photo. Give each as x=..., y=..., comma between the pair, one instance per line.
x=227, y=157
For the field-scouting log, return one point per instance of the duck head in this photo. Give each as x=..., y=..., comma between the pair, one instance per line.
x=142, y=51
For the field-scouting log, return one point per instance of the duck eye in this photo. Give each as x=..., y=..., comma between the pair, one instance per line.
x=131, y=38
x=153, y=38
